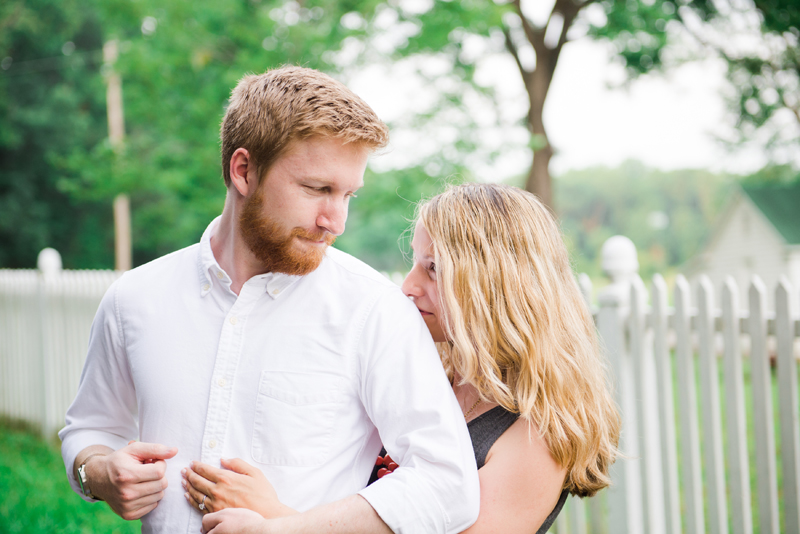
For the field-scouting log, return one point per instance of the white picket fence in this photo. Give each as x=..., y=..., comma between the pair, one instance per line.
x=45, y=317
x=681, y=472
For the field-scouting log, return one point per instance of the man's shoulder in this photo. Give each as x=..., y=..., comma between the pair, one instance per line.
x=166, y=270
x=357, y=271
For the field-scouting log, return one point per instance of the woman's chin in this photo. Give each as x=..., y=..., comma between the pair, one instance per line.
x=434, y=328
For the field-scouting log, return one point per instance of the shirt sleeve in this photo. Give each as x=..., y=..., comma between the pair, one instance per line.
x=407, y=395
x=104, y=411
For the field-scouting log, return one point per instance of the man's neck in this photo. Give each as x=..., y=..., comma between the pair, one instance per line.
x=230, y=250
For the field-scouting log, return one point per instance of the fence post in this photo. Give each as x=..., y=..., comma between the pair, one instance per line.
x=624, y=497
x=50, y=266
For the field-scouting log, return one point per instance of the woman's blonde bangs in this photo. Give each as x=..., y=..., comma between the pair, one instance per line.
x=518, y=326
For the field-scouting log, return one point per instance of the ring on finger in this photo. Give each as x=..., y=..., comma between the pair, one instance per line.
x=202, y=504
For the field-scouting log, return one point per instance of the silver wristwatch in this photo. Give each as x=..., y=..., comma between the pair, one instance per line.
x=82, y=477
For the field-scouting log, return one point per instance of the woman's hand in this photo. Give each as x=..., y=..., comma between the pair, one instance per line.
x=234, y=521
x=238, y=485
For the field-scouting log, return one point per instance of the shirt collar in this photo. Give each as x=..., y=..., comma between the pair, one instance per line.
x=211, y=272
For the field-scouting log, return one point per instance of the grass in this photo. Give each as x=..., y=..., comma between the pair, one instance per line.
x=36, y=497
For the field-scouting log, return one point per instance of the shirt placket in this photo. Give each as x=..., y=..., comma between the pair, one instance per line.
x=222, y=378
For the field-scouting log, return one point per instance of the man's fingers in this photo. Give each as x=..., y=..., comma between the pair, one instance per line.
x=210, y=521
x=205, y=471
x=237, y=465
x=138, y=508
x=154, y=487
x=151, y=451
x=140, y=512
x=143, y=473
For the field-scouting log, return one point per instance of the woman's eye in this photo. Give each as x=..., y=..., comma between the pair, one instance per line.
x=432, y=268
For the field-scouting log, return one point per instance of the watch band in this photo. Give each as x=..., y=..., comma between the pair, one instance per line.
x=82, y=476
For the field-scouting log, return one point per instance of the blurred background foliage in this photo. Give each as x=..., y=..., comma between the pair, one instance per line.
x=179, y=60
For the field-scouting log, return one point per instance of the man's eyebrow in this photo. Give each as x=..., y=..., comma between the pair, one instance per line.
x=324, y=182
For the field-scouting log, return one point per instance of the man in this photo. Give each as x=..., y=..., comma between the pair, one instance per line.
x=262, y=343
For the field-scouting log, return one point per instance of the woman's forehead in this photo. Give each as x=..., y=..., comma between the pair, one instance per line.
x=421, y=244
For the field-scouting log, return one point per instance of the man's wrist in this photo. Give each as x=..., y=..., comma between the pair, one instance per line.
x=83, y=477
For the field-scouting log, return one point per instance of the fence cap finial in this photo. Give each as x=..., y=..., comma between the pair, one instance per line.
x=619, y=258
x=49, y=261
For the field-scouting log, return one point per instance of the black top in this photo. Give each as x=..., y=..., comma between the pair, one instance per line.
x=484, y=430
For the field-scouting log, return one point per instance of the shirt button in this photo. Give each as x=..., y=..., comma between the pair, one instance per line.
x=276, y=291
x=234, y=320
x=206, y=287
x=222, y=382
x=212, y=444
x=220, y=275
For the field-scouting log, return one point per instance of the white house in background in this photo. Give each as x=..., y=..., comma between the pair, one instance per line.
x=758, y=233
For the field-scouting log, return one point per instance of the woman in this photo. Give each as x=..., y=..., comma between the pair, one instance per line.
x=492, y=280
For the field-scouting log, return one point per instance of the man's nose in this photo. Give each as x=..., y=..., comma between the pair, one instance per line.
x=333, y=217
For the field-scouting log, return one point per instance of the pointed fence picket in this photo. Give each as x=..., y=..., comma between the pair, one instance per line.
x=760, y=378
x=741, y=516
x=712, y=422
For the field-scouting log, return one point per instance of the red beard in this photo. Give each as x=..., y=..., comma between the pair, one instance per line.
x=272, y=245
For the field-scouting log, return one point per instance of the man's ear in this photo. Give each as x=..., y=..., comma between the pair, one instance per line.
x=241, y=171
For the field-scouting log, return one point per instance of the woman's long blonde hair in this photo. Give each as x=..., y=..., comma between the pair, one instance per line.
x=518, y=328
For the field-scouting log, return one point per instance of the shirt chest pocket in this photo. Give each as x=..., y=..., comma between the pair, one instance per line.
x=295, y=417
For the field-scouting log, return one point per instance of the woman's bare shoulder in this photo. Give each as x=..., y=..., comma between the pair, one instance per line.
x=520, y=482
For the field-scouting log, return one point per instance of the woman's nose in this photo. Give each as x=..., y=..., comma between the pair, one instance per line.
x=410, y=287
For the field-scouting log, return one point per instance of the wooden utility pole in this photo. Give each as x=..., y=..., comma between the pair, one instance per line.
x=116, y=134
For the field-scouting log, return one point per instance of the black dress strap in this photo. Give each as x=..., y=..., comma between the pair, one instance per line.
x=552, y=517
x=487, y=428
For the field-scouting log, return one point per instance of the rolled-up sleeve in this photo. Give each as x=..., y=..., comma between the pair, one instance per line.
x=405, y=392
x=104, y=410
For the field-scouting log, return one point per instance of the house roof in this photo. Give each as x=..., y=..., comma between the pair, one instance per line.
x=780, y=203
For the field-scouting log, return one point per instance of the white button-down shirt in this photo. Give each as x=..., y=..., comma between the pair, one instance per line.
x=302, y=377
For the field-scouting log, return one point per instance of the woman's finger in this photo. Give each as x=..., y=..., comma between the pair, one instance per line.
x=198, y=498
x=200, y=483
x=206, y=471
x=237, y=465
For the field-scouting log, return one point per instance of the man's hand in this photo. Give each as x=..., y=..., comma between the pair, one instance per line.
x=238, y=485
x=234, y=521
x=131, y=480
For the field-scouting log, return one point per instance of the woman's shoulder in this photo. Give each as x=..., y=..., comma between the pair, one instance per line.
x=520, y=478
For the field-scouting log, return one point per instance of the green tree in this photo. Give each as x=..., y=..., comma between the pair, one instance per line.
x=52, y=107
x=178, y=62
x=668, y=215
x=453, y=30
x=765, y=73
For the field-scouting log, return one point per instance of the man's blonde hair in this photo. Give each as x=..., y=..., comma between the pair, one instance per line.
x=519, y=330
x=266, y=112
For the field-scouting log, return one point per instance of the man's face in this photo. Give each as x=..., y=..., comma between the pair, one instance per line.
x=301, y=205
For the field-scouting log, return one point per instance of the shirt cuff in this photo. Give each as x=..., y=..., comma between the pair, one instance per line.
x=407, y=505
x=74, y=442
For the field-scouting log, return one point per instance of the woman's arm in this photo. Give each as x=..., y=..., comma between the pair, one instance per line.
x=520, y=483
x=351, y=515
x=237, y=485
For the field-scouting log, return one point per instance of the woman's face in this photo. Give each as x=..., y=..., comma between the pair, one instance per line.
x=421, y=284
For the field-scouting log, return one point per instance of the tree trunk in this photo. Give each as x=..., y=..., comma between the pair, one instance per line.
x=537, y=82
x=539, y=182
